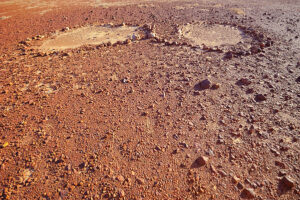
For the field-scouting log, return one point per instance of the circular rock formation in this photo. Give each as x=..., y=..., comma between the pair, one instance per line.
x=91, y=35
x=211, y=35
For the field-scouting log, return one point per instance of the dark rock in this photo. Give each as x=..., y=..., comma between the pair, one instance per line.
x=199, y=162
x=140, y=181
x=65, y=29
x=215, y=86
x=287, y=183
x=65, y=54
x=144, y=113
x=279, y=164
x=248, y=193
x=182, y=165
x=203, y=85
x=175, y=151
x=228, y=55
x=243, y=81
x=82, y=165
x=250, y=91
x=298, y=80
x=124, y=80
x=282, y=173
x=260, y=98
x=196, y=93
x=255, y=50
x=240, y=186
x=120, y=178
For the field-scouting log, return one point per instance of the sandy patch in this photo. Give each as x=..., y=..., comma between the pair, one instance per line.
x=4, y=17
x=90, y=35
x=238, y=11
x=32, y=4
x=187, y=6
x=211, y=35
x=45, y=11
x=107, y=3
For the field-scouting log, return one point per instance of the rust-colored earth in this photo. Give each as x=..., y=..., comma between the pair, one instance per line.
x=149, y=99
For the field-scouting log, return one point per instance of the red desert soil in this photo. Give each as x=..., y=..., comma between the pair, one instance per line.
x=149, y=99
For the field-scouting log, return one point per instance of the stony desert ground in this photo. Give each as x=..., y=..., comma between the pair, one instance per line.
x=166, y=100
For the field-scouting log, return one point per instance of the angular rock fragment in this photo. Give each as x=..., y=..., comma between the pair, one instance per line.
x=260, y=98
x=287, y=183
x=140, y=181
x=215, y=86
x=203, y=85
x=235, y=179
x=248, y=193
x=243, y=81
x=199, y=162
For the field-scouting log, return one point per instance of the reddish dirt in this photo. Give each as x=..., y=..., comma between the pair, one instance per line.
x=138, y=120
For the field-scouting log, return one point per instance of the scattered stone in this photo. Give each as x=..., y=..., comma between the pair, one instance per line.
x=203, y=85
x=144, y=113
x=298, y=80
x=260, y=98
x=183, y=165
x=201, y=161
x=215, y=86
x=128, y=181
x=184, y=145
x=275, y=151
x=66, y=54
x=120, y=178
x=213, y=169
x=243, y=81
x=228, y=55
x=287, y=182
x=175, y=151
x=66, y=29
x=68, y=167
x=125, y=80
x=255, y=50
x=135, y=37
x=121, y=193
x=279, y=164
x=220, y=141
x=222, y=173
x=282, y=173
x=240, y=186
x=4, y=145
x=151, y=35
x=196, y=93
x=235, y=179
x=248, y=193
x=27, y=173
x=140, y=181
x=82, y=165
x=128, y=41
x=250, y=91
x=210, y=152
